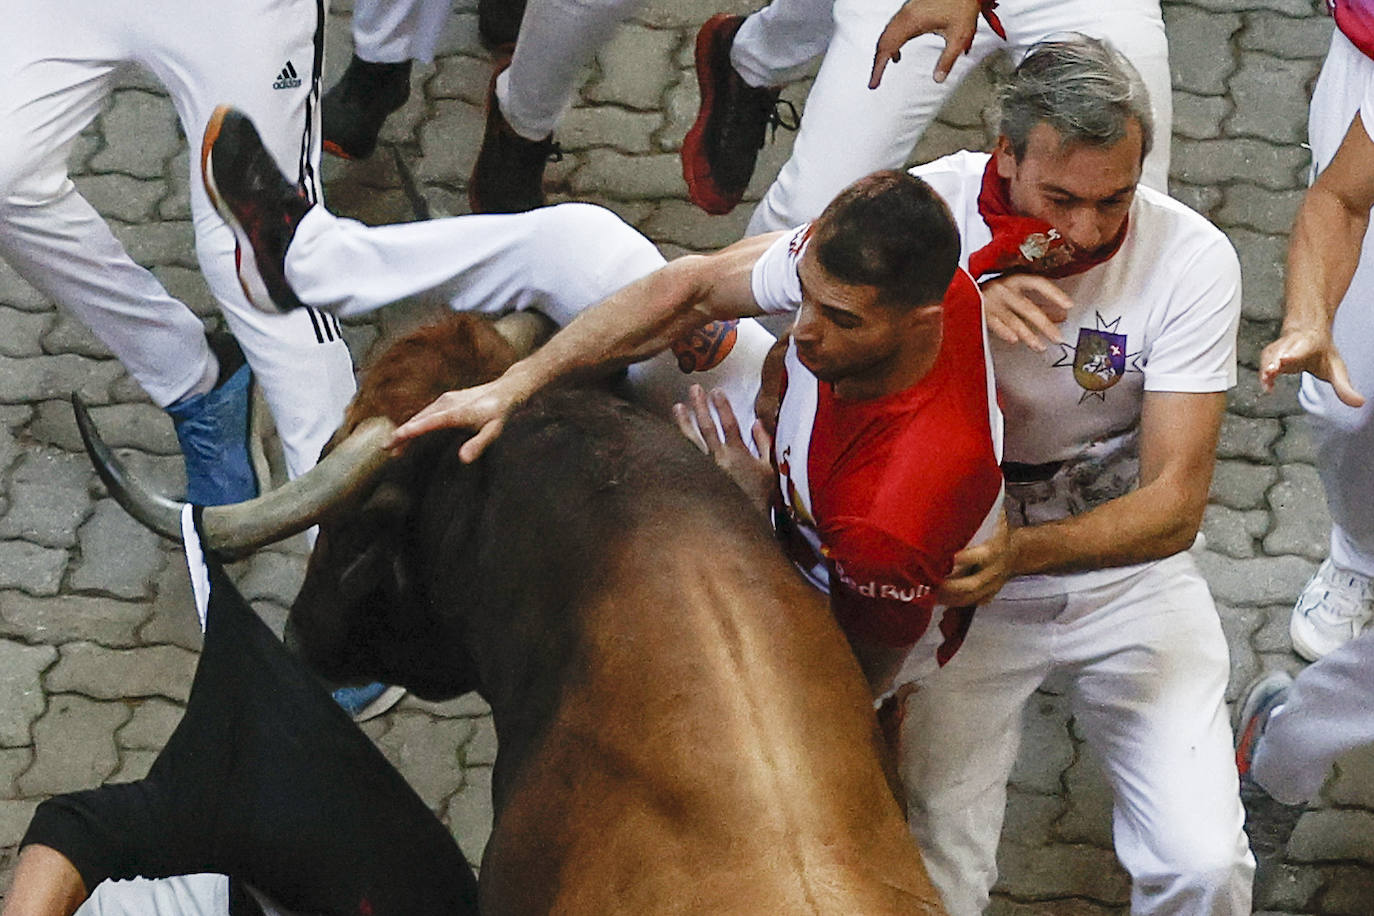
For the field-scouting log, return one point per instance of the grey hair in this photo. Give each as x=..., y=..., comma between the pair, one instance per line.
x=1080, y=86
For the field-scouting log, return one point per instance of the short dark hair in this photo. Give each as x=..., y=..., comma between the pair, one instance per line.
x=889, y=230
x=1080, y=86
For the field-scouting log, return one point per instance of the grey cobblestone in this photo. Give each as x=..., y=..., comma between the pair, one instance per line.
x=1241, y=485
x=635, y=68
x=1299, y=508
x=65, y=618
x=49, y=498
x=1199, y=117
x=1286, y=36
x=1212, y=162
x=469, y=813
x=70, y=336
x=75, y=742
x=118, y=556
x=146, y=133
x=112, y=674
x=45, y=377
x=152, y=723
x=23, y=332
x=1258, y=581
x=33, y=569
x=1334, y=834
x=122, y=197
x=424, y=750
x=21, y=689
x=1270, y=96
x=1232, y=532
x=1201, y=66
x=1261, y=209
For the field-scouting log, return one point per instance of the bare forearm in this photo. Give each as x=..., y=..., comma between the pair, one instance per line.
x=46, y=883
x=1322, y=257
x=1144, y=525
x=632, y=324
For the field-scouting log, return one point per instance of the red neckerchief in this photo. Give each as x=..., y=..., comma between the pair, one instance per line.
x=1355, y=19
x=1024, y=244
x=986, y=7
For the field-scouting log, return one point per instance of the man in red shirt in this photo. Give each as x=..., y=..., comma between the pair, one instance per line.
x=888, y=431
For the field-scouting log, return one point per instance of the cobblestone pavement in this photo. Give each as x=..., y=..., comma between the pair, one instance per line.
x=97, y=643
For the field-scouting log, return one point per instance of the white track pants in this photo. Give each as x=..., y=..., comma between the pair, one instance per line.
x=558, y=38
x=393, y=31
x=1148, y=667
x=1329, y=710
x=58, y=62
x=1345, y=435
x=556, y=260
x=849, y=130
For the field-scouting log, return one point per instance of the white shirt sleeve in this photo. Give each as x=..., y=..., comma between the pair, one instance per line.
x=1367, y=108
x=774, y=280
x=1194, y=346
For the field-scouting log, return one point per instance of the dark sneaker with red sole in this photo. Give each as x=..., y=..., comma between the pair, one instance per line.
x=259, y=203
x=508, y=176
x=356, y=107
x=720, y=151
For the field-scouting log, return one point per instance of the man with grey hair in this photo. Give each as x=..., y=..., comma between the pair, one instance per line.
x=1114, y=312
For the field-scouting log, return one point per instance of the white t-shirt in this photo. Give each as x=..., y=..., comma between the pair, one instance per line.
x=1159, y=315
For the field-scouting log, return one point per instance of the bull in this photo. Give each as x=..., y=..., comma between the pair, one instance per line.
x=681, y=725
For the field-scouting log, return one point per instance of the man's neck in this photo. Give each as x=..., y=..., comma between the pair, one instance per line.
x=909, y=365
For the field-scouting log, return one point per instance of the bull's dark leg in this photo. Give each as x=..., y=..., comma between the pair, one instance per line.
x=268, y=781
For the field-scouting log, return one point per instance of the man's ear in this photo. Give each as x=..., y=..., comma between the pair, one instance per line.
x=1006, y=158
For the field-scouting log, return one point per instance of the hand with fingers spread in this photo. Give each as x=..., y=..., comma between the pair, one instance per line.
x=980, y=570
x=1025, y=308
x=751, y=473
x=1308, y=349
x=954, y=20
x=483, y=408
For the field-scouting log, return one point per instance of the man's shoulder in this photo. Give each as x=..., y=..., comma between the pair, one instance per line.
x=955, y=169
x=1170, y=216
x=1178, y=235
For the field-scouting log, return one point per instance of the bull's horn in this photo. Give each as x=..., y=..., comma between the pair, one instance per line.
x=277, y=514
x=524, y=331
x=246, y=526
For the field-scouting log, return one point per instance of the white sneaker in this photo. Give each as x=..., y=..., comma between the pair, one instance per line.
x=1333, y=608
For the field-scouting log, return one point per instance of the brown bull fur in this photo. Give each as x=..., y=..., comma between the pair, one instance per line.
x=682, y=727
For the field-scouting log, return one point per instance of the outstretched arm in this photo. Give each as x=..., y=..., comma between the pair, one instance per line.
x=46, y=883
x=632, y=324
x=1322, y=256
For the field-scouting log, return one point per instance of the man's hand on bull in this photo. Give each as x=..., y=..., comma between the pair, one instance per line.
x=980, y=571
x=483, y=408
x=751, y=473
x=1025, y=308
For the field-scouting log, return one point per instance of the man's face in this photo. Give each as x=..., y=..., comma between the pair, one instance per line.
x=843, y=331
x=1083, y=191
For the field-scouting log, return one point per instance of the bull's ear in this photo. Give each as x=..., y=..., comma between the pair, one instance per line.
x=386, y=506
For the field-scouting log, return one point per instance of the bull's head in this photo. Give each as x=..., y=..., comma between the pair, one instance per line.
x=363, y=612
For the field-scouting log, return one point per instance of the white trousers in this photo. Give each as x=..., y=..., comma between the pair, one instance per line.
x=1148, y=667
x=557, y=260
x=58, y=63
x=1345, y=435
x=849, y=130
x=1329, y=710
x=394, y=31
